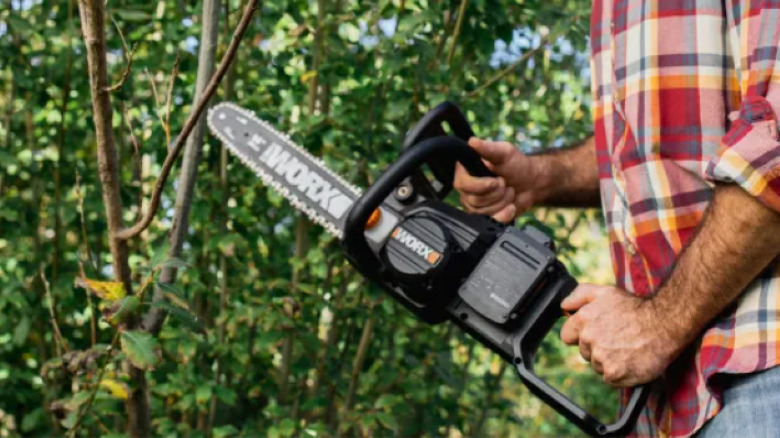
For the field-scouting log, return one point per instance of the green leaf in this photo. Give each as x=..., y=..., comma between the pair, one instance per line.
x=387, y=420
x=33, y=419
x=226, y=395
x=21, y=331
x=70, y=420
x=141, y=348
x=203, y=394
x=132, y=15
x=224, y=431
x=286, y=427
x=189, y=319
x=262, y=247
x=174, y=295
x=386, y=400
x=127, y=306
x=77, y=400
x=174, y=262
x=20, y=25
x=367, y=421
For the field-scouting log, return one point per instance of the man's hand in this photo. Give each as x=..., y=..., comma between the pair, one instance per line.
x=561, y=178
x=619, y=334
x=503, y=197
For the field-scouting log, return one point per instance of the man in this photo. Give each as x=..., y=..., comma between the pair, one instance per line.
x=685, y=161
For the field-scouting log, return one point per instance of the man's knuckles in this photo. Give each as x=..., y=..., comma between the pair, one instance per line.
x=497, y=152
x=496, y=196
x=613, y=373
x=587, y=337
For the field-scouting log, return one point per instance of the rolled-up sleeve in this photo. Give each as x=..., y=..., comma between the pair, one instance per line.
x=749, y=153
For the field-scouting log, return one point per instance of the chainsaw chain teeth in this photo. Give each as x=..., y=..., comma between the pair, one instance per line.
x=269, y=180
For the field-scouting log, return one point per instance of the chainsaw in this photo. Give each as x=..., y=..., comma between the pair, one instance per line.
x=501, y=284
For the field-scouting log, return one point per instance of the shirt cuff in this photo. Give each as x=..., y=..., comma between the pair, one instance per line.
x=749, y=153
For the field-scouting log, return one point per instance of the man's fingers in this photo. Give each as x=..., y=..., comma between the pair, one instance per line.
x=472, y=185
x=582, y=295
x=474, y=202
x=507, y=214
x=585, y=351
x=570, y=332
x=524, y=201
x=489, y=210
x=496, y=152
x=597, y=367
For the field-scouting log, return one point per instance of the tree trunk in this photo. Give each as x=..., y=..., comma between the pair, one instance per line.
x=492, y=384
x=93, y=27
x=357, y=364
x=9, y=118
x=92, y=14
x=223, y=220
x=331, y=335
x=301, y=228
x=55, y=261
x=35, y=183
x=189, y=169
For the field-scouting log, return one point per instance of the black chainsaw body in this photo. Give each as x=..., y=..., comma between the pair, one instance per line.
x=501, y=284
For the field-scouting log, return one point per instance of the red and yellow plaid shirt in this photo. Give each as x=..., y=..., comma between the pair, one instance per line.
x=685, y=94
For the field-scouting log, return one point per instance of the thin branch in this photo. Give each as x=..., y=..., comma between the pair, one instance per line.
x=58, y=339
x=92, y=321
x=154, y=89
x=129, y=125
x=165, y=116
x=166, y=127
x=121, y=36
x=100, y=424
x=357, y=363
x=456, y=33
x=125, y=73
x=169, y=97
x=446, y=28
x=137, y=165
x=189, y=125
x=500, y=75
x=128, y=56
x=80, y=197
x=88, y=405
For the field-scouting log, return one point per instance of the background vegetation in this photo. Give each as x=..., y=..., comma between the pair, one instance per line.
x=269, y=332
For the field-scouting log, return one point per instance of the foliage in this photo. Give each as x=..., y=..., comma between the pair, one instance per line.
x=273, y=356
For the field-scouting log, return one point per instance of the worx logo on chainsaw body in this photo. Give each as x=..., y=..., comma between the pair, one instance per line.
x=416, y=245
x=306, y=180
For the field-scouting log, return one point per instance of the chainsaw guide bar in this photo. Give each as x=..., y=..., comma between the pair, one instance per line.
x=281, y=164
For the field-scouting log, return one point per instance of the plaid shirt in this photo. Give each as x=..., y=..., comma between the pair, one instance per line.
x=685, y=94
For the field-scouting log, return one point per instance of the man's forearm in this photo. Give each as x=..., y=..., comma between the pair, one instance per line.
x=737, y=239
x=568, y=177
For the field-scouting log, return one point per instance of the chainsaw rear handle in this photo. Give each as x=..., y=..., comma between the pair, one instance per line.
x=537, y=322
x=410, y=161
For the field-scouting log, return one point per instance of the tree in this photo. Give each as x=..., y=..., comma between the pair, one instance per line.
x=93, y=27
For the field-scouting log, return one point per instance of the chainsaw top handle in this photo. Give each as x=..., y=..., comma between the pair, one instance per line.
x=442, y=166
x=452, y=148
